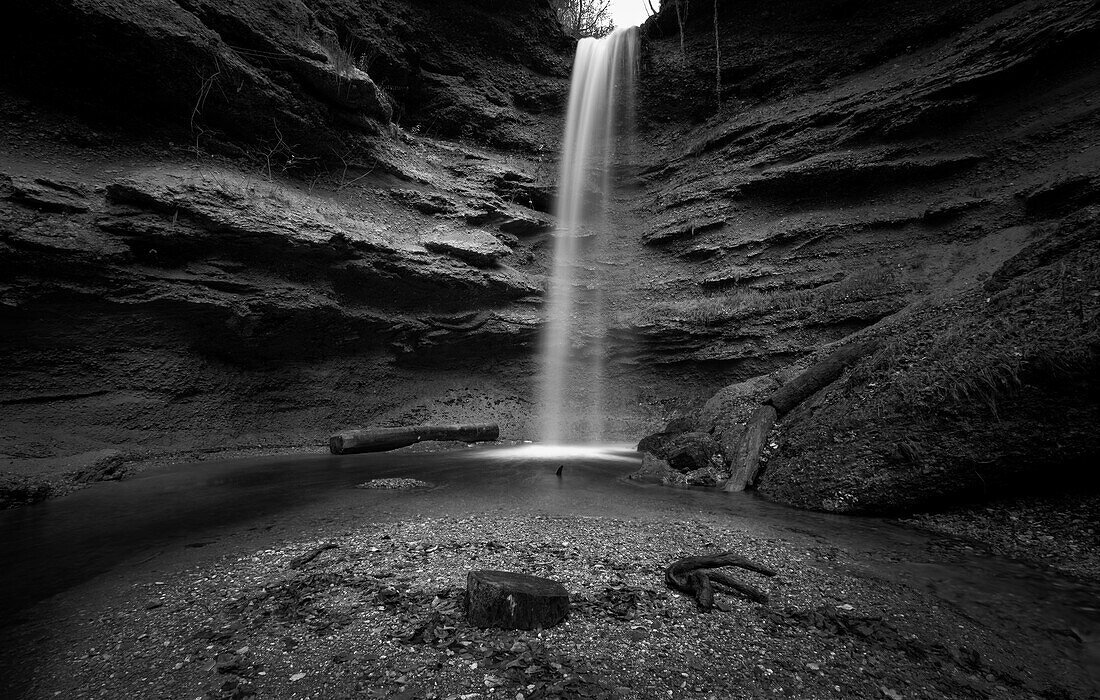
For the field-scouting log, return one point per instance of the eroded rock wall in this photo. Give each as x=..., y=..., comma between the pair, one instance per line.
x=306, y=78
x=871, y=169
x=231, y=225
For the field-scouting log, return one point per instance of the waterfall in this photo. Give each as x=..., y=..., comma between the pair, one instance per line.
x=574, y=343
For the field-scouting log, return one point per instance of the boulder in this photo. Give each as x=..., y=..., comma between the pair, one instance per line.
x=346, y=87
x=653, y=470
x=514, y=601
x=726, y=414
x=684, y=452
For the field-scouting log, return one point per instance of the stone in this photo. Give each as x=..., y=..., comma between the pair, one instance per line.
x=653, y=470
x=49, y=195
x=514, y=601
x=684, y=452
x=425, y=202
x=525, y=222
x=346, y=87
x=681, y=231
x=684, y=423
x=943, y=211
x=1062, y=195
x=470, y=245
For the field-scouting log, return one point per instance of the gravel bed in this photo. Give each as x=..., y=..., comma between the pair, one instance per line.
x=1059, y=532
x=377, y=613
x=395, y=484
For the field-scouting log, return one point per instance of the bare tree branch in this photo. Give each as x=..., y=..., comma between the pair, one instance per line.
x=581, y=18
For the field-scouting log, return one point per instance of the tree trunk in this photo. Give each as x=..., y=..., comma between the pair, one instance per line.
x=746, y=456
x=820, y=375
x=514, y=601
x=382, y=439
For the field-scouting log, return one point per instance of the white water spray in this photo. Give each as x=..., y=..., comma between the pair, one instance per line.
x=574, y=345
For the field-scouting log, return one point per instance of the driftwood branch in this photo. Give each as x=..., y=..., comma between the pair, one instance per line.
x=697, y=576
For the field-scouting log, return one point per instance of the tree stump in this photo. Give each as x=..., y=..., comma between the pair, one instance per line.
x=514, y=601
x=698, y=577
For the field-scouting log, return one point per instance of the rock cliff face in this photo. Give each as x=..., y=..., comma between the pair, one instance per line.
x=302, y=78
x=917, y=172
x=240, y=223
x=235, y=224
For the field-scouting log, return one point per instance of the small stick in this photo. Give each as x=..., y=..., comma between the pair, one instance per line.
x=300, y=561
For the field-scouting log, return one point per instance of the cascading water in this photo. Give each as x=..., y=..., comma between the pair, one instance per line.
x=574, y=344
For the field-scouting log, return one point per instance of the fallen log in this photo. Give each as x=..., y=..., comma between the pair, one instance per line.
x=746, y=455
x=820, y=375
x=695, y=576
x=383, y=439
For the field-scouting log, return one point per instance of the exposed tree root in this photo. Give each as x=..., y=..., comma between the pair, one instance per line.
x=724, y=581
x=699, y=577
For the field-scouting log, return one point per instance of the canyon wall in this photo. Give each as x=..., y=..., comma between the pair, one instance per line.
x=920, y=175
x=232, y=225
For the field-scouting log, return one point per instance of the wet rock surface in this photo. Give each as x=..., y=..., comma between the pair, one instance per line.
x=683, y=451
